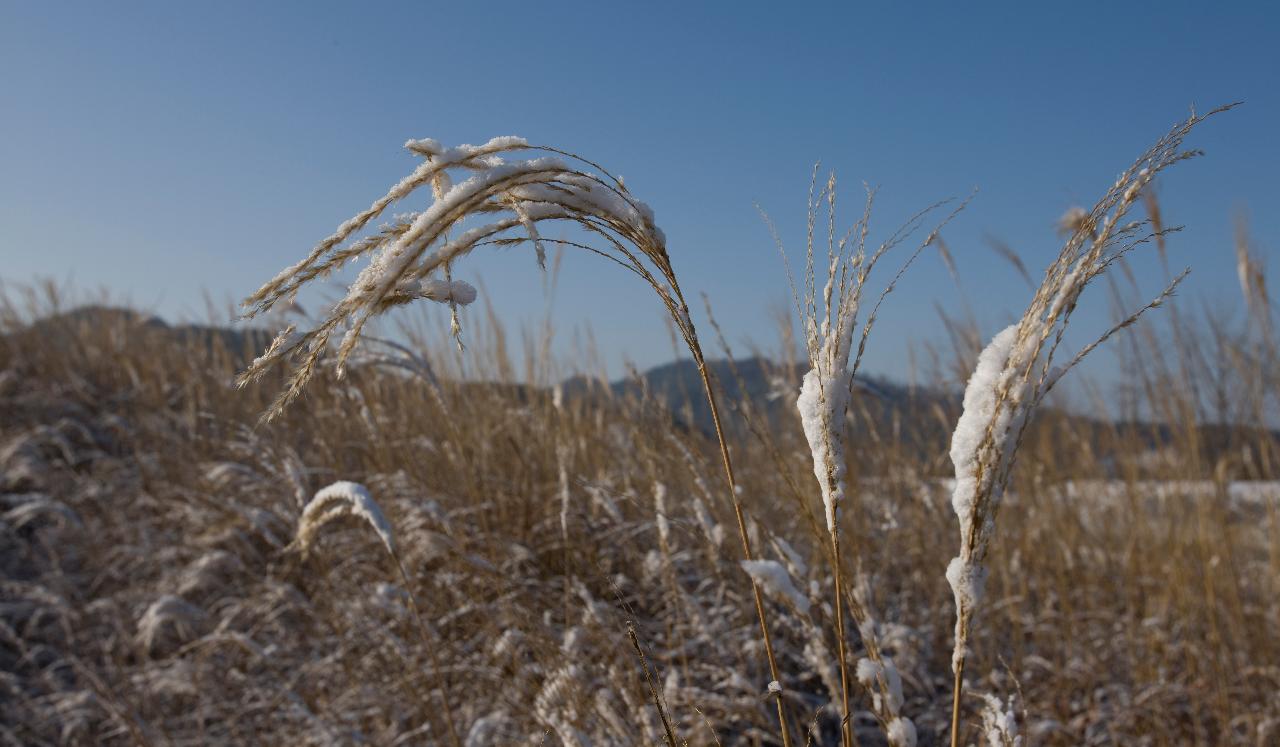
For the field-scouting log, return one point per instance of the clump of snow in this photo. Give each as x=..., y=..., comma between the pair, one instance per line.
x=531, y=227
x=776, y=582
x=653, y=564
x=795, y=563
x=444, y=291
x=464, y=155
x=967, y=580
x=993, y=408
x=822, y=403
x=882, y=680
x=868, y=672
x=999, y=722
x=894, y=699
x=342, y=498
x=983, y=411
x=901, y=732
x=660, y=512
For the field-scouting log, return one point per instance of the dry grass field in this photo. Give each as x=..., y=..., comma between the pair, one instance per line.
x=422, y=545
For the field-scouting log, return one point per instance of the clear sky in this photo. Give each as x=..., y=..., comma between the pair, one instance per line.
x=160, y=150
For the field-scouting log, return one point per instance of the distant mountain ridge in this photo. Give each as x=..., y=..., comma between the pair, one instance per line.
x=243, y=344
x=769, y=386
x=920, y=417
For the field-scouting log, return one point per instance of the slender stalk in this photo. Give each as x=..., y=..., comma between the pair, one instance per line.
x=742, y=531
x=411, y=258
x=955, y=703
x=431, y=651
x=653, y=688
x=846, y=726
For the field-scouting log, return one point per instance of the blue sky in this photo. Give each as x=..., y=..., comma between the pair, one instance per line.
x=164, y=150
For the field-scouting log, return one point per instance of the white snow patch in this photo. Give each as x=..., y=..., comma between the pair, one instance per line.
x=776, y=582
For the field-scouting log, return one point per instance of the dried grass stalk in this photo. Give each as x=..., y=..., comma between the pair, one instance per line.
x=830, y=316
x=500, y=197
x=1016, y=370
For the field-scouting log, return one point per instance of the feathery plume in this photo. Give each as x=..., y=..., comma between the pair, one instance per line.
x=1016, y=370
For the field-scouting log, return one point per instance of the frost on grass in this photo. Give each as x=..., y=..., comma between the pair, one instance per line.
x=168, y=622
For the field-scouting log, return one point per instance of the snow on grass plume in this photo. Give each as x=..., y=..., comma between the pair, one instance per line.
x=167, y=622
x=830, y=317
x=999, y=722
x=1016, y=370
x=413, y=257
x=881, y=678
x=501, y=203
x=341, y=499
x=345, y=498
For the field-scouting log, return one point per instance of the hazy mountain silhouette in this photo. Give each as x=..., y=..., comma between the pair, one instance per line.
x=242, y=344
x=919, y=418
x=769, y=390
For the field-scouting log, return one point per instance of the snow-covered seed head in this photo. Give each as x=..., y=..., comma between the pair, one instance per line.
x=168, y=621
x=335, y=501
x=999, y=722
x=822, y=404
x=829, y=309
x=1017, y=368
x=413, y=258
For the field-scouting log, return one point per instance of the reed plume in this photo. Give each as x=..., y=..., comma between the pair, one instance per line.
x=414, y=257
x=1016, y=370
x=830, y=318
